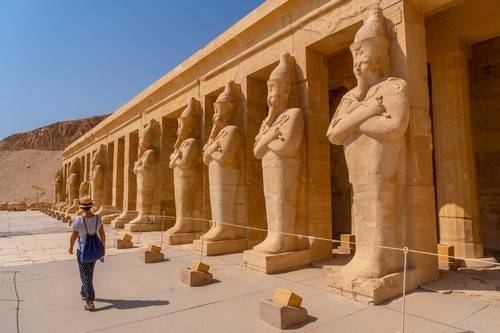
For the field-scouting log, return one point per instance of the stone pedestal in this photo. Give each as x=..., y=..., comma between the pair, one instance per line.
x=211, y=248
x=124, y=218
x=143, y=227
x=184, y=238
x=152, y=257
x=276, y=263
x=281, y=316
x=195, y=278
x=372, y=291
x=123, y=244
x=106, y=210
x=106, y=219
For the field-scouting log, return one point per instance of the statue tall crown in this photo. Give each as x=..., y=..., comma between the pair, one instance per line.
x=374, y=26
x=192, y=110
x=229, y=93
x=284, y=69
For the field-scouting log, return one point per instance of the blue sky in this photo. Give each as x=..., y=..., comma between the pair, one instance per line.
x=68, y=59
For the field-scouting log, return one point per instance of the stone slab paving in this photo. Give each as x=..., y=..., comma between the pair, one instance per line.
x=36, y=269
x=33, y=237
x=134, y=297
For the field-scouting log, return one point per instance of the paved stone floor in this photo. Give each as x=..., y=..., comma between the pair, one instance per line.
x=134, y=297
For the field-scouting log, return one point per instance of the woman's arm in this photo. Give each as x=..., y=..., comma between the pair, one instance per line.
x=102, y=234
x=72, y=241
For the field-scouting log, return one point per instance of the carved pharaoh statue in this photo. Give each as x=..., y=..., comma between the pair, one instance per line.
x=278, y=144
x=145, y=169
x=58, y=186
x=370, y=123
x=185, y=161
x=97, y=176
x=72, y=186
x=221, y=155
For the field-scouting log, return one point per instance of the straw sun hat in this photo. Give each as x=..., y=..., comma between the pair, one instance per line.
x=86, y=202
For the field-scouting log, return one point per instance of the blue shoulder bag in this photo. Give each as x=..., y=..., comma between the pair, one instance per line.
x=93, y=249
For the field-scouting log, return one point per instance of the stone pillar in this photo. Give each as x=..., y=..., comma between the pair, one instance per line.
x=129, y=181
x=456, y=181
x=255, y=91
x=118, y=168
x=409, y=61
x=315, y=103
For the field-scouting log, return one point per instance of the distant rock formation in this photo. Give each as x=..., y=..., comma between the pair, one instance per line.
x=56, y=136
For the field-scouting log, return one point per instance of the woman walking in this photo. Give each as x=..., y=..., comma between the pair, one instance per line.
x=90, y=248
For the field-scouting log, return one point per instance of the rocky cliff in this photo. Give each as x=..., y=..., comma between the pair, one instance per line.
x=53, y=137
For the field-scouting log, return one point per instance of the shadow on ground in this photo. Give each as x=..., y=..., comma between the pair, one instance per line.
x=122, y=304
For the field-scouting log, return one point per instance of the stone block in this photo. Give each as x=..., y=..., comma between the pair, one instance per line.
x=123, y=244
x=195, y=278
x=445, y=252
x=346, y=246
x=221, y=247
x=185, y=238
x=200, y=267
x=127, y=237
x=281, y=316
x=152, y=257
x=287, y=297
x=154, y=248
x=276, y=263
x=372, y=291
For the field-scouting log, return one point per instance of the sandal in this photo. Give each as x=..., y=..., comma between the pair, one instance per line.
x=90, y=307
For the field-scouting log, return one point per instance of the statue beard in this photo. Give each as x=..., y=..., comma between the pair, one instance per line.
x=362, y=88
x=276, y=107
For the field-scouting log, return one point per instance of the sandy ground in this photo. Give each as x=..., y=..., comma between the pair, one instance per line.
x=21, y=169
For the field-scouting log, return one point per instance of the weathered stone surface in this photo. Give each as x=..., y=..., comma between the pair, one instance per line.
x=276, y=263
x=281, y=316
x=214, y=248
x=195, y=278
x=123, y=244
x=152, y=257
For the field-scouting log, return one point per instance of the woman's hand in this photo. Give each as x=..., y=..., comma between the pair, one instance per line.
x=70, y=250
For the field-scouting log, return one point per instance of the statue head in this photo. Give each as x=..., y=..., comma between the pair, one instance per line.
x=75, y=166
x=59, y=174
x=225, y=106
x=99, y=156
x=188, y=121
x=147, y=139
x=370, y=52
x=280, y=85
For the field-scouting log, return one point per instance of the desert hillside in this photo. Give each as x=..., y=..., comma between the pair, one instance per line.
x=21, y=169
x=56, y=136
x=32, y=158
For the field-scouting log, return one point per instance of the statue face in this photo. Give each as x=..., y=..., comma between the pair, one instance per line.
x=223, y=113
x=184, y=129
x=278, y=92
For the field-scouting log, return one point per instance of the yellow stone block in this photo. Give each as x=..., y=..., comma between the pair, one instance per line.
x=154, y=248
x=329, y=280
x=445, y=251
x=200, y=267
x=346, y=239
x=287, y=297
x=127, y=237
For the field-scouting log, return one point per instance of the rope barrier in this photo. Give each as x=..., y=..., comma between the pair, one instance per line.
x=301, y=236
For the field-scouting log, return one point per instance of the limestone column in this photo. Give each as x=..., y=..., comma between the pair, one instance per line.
x=456, y=181
x=129, y=181
x=114, y=179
